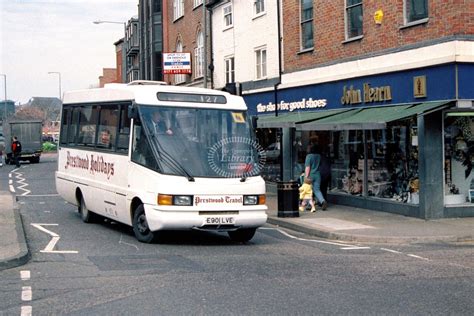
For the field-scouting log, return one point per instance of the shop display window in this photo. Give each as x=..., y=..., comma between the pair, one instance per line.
x=391, y=167
x=347, y=162
x=269, y=139
x=392, y=163
x=373, y=163
x=459, y=156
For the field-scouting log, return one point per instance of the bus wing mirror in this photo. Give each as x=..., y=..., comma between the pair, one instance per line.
x=132, y=112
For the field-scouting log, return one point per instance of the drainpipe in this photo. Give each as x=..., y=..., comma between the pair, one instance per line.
x=209, y=7
x=205, y=45
x=275, y=88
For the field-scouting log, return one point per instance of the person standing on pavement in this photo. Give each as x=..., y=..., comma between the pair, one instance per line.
x=16, y=151
x=312, y=164
x=325, y=170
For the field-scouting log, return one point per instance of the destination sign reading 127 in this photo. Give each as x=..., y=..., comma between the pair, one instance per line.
x=177, y=63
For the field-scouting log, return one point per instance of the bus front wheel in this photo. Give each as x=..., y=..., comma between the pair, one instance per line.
x=242, y=235
x=86, y=215
x=140, y=226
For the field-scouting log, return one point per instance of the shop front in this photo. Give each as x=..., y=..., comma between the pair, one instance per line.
x=398, y=142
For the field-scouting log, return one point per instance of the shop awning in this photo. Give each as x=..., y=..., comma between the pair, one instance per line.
x=370, y=118
x=291, y=119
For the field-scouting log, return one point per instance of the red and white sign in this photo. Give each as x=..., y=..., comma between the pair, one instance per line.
x=177, y=63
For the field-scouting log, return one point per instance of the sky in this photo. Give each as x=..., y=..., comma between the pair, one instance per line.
x=41, y=36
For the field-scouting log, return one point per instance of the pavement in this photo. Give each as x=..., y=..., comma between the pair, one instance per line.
x=338, y=222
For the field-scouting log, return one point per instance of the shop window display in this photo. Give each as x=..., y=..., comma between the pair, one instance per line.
x=393, y=163
x=391, y=166
x=347, y=162
x=459, y=156
x=269, y=139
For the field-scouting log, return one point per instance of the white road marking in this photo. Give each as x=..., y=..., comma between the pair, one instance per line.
x=25, y=275
x=390, y=250
x=418, y=257
x=41, y=195
x=26, y=311
x=26, y=293
x=12, y=189
x=55, y=238
x=126, y=243
x=21, y=181
x=10, y=181
x=344, y=246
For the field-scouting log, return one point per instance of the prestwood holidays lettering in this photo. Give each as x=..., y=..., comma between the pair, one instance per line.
x=94, y=165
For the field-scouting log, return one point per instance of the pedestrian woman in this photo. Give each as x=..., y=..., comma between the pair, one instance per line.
x=16, y=151
x=312, y=164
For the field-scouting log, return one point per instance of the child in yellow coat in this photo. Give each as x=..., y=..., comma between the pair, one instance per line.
x=306, y=195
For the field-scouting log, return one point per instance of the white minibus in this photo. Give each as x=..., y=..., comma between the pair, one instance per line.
x=160, y=157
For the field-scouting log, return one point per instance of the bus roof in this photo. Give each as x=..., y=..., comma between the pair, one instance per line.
x=146, y=92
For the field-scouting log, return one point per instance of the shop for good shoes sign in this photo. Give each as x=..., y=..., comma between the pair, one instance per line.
x=292, y=106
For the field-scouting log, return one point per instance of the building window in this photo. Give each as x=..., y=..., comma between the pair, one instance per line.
x=179, y=78
x=261, y=63
x=259, y=6
x=229, y=70
x=306, y=24
x=157, y=6
x=228, y=16
x=197, y=3
x=353, y=18
x=458, y=158
x=199, y=56
x=415, y=10
x=178, y=9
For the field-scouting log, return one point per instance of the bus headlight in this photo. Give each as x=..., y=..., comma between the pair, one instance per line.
x=180, y=200
x=254, y=199
x=183, y=200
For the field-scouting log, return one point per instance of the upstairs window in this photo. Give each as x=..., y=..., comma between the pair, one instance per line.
x=199, y=56
x=306, y=24
x=259, y=6
x=229, y=70
x=179, y=78
x=197, y=3
x=261, y=63
x=415, y=10
x=228, y=21
x=353, y=18
x=178, y=9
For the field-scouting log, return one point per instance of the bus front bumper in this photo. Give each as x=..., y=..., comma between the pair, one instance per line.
x=205, y=220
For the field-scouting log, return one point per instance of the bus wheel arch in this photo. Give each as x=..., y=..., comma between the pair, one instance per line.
x=140, y=225
x=87, y=216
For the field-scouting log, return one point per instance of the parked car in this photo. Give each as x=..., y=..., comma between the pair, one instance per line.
x=272, y=152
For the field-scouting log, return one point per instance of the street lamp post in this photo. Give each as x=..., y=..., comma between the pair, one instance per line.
x=59, y=74
x=5, y=95
x=124, y=59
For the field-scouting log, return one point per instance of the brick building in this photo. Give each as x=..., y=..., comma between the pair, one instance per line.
x=109, y=75
x=187, y=32
x=384, y=90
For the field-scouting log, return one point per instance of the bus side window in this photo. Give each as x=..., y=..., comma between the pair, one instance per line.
x=66, y=121
x=124, y=130
x=87, y=125
x=108, y=127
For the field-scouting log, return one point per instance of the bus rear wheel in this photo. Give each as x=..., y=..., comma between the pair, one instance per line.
x=242, y=235
x=140, y=226
x=86, y=215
